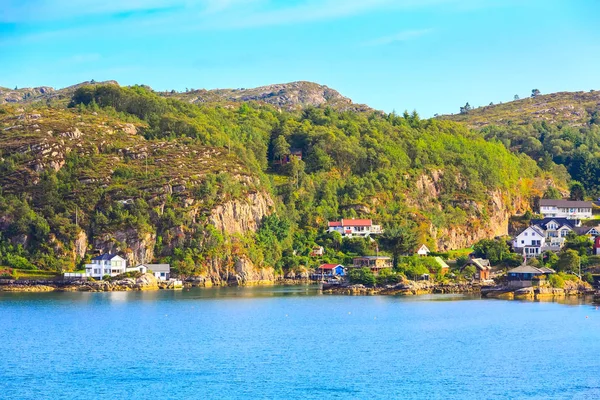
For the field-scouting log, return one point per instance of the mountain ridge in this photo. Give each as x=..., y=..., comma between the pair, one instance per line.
x=288, y=96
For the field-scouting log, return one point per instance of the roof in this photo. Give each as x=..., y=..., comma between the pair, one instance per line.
x=157, y=267
x=536, y=229
x=330, y=266
x=547, y=270
x=526, y=269
x=565, y=203
x=560, y=221
x=105, y=257
x=372, y=258
x=441, y=262
x=421, y=247
x=351, y=222
x=480, y=263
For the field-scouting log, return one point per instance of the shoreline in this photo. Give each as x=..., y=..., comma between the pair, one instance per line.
x=407, y=288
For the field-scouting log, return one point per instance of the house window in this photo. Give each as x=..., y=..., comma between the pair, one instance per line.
x=522, y=242
x=564, y=233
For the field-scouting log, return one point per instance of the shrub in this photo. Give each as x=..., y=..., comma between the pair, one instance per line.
x=556, y=281
x=363, y=276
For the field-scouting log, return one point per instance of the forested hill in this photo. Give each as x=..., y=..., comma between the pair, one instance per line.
x=208, y=187
x=559, y=128
x=565, y=108
x=287, y=96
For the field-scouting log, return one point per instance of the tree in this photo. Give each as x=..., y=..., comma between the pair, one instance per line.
x=469, y=271
x=516, y=97
x=467, y=107
x=568, y=261
x=552, y=193
x=399, y=239
x=92, y=82
x=581, y=244
x=491, y=103
x=577, y=191
x=363, y=276
x=535, y=92
x=494, y=250
x=281, y=147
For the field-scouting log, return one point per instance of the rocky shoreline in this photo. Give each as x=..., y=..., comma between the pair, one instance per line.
x=411, y=288
x=143, y=282
x=406, y=288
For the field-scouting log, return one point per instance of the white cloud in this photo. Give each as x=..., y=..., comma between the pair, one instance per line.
x=398, y=37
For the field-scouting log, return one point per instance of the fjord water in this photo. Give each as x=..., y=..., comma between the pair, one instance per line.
x=293, y=343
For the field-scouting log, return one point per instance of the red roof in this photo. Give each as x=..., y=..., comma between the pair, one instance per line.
x=351, y=222
x=328, y=266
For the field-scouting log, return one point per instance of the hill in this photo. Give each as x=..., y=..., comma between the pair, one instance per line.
x=561, y=131
x=202, y=186
x=287, y=96
x=567, y=108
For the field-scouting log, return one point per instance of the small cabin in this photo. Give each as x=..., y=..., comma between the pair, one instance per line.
x=423, y=250
x=374, y=263
x=330, y=270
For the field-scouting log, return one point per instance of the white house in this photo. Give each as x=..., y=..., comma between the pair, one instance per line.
x=354, y=227
x=106, y=264
x=423, y=250
x=544, y=234
x=550, y=208
x=529, y=242
x=160, y=271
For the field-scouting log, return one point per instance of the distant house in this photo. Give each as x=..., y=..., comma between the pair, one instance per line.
x=423, y=250
x=523, y=275
x=317, y=251
x=544, y=234
x=294, y=153
x=587, y=231
x=566, y=209
x=160, y=271
x=597, y=245
x=106, y=264
x=374, y=263
x=354, y=227
x=444, y=268
x=330, y=270
x=483, y=268
x=529, y=242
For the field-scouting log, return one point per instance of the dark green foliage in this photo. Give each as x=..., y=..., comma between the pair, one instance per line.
x=577, y=191
x=363, y=276
x=495, y=250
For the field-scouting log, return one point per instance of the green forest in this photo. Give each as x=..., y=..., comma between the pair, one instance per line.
x=413, y=176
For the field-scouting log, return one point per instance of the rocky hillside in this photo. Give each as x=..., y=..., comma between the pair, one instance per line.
x=42, y=93
x=111, y=189
x=561, y=131
x=216, y=192
x=572, y=108
x=288, y=96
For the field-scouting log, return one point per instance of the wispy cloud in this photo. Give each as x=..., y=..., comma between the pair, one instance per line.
x=398, y=37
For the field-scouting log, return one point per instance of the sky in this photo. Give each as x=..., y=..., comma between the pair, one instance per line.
x=432, y=56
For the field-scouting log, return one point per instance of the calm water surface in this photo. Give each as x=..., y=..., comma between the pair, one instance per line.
x=293, y=343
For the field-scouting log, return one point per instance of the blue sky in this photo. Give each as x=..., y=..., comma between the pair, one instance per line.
x=428, y=55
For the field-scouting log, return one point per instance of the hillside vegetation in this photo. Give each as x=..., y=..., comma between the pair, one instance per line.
x=560, y=128
x=201, y=185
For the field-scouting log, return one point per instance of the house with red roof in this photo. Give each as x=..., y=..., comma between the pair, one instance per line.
x=354, y=227
x=331, y=270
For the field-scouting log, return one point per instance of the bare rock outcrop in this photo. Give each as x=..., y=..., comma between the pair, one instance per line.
x=241, y=216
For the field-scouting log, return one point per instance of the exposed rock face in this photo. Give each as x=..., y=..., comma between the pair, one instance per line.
x=242, y=216
x=137, y=247
x=498, y=210
x=81, y=244
x=246, y=273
